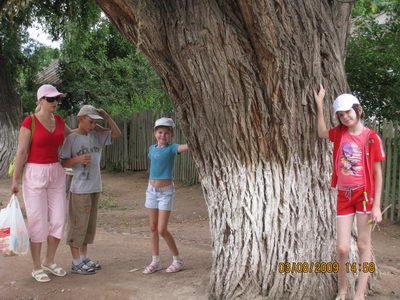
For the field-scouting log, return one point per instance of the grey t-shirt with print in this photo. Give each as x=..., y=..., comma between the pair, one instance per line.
x=87, y=178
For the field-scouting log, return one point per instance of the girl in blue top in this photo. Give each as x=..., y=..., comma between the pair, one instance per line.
x=160, y=193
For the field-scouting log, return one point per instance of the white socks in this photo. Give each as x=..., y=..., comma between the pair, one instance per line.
x=156, y=259
x=79, y=260
x=83, y=257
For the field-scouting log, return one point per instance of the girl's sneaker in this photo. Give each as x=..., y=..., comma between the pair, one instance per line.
x=152, y=267
x=176, y=266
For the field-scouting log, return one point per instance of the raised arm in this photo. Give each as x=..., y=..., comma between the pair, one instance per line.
x=115, y=131
x=323, y=132
x=183, y=148
x=24, y=140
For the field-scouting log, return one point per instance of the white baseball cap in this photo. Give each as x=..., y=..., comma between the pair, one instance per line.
x=344, y=102
x=90, y=111
x=167, y=122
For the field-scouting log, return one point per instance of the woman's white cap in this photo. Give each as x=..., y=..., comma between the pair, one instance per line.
x=47, y=90
x=167, y=122
x=344, y=102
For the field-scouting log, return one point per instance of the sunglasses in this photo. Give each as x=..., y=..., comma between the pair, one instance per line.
x=52, y=99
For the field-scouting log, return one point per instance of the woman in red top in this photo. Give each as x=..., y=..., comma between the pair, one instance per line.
x=43, y=180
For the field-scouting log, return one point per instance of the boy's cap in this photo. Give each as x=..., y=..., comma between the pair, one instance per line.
x=168, y=122
x=344, y=102
x=90, y=111
x=47, y=90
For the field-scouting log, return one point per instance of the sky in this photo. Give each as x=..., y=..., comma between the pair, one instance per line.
x=36, y=32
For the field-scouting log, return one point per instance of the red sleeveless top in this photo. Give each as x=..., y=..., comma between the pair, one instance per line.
x=45, y=144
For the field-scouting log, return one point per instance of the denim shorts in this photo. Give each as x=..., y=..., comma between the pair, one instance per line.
x=160, y=198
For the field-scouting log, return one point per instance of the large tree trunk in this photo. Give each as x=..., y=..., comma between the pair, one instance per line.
x=241, y=75
x=10, y=113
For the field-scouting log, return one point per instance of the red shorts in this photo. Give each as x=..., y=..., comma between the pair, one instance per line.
x=350, y=202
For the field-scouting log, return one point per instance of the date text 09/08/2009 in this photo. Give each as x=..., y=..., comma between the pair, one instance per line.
x=324, y=267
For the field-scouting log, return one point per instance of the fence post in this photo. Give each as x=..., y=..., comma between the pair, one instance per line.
x=394, y=145
x=387, y=127
x=125, y=145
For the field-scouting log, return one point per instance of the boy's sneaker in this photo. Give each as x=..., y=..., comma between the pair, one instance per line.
x=152, y=267
x=93, y=264
x=82, y=269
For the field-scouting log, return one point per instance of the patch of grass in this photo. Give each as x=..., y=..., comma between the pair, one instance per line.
x=107, y=202
x=188, y=182
x=114, y=167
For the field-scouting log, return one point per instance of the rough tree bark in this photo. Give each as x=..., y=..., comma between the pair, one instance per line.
x=241, y=74
x=10, y=114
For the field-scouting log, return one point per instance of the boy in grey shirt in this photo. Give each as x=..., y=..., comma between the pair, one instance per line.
x=82, y=151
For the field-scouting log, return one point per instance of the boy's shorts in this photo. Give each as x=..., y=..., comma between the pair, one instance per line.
x=350, y=201
x=160, y=198
x=82, y=219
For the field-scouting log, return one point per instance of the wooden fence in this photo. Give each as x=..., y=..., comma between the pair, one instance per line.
x=391, y=170
x=130, y=153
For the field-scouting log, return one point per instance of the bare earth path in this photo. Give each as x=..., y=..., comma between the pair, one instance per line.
x=122, y=244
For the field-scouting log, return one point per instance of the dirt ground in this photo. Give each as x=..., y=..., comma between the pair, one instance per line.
x=123, y=246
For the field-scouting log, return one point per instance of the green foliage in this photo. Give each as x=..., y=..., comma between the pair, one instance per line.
x=18, y=53
x=114, y=167
x=107, y=202
x=101, y=68
x=36, y=57
x=56, y=15
x=98, y=65
x=364, y=7
x=13, y=33
x=373, y=64
x=370, y=7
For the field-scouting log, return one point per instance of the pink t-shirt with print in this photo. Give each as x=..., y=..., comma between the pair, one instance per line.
x=351, y=163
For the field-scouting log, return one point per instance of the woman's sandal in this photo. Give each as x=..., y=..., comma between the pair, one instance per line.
x=55, y=270
x=40, y=276
x=152, y=267
x=176, y=266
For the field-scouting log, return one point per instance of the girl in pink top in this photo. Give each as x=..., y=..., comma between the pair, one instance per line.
x=357, y=173
x=43, y=180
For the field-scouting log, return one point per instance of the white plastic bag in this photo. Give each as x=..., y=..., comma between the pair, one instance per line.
x=14, y=238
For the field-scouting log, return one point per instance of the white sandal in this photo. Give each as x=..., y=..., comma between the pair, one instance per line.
x=40, y=276
x=152, y=267
x=55, y=270
x=176, y=266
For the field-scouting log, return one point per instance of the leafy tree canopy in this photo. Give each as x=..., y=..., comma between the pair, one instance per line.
x=17, y=51
x=373, y=59
x=370, y=7
x=102, y=68
x=36, y=58
x=98, y=65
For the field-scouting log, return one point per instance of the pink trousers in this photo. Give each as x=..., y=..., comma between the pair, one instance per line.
x=44, y=194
